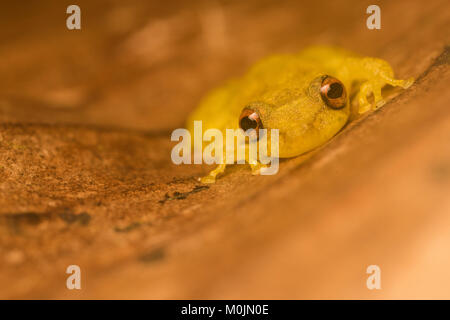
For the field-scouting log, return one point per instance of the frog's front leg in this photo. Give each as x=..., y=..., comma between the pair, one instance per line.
x=378, y=73
x=255, y=165
x=367, y=88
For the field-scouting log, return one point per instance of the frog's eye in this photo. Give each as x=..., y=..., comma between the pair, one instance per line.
x=333, y=92
x=250, y=119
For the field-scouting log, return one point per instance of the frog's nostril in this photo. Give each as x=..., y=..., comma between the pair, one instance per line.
x=250, y=119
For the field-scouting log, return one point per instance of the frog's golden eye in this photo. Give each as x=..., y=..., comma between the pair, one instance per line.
x=333, y=92
x=250, y=119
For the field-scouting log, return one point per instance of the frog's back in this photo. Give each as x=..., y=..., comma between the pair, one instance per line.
x=221, y=107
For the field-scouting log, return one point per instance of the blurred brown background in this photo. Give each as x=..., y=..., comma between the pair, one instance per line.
x=86, y=176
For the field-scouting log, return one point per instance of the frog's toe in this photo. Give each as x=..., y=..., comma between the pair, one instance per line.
x=207, y=179
x=211, y=177
x=380, y=103
x=407, y=83
x=256, y=168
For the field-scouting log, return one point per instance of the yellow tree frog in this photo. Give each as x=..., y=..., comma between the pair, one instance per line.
x=306, y=96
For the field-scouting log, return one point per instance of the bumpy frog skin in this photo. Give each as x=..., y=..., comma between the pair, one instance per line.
x=285, y=92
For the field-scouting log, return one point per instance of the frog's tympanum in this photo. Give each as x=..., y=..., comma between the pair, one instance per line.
x=306, y=96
